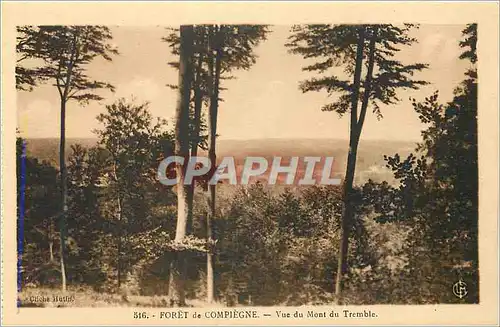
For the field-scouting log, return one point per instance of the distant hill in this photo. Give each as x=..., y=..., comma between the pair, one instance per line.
x=370, y=163
x=47, y=149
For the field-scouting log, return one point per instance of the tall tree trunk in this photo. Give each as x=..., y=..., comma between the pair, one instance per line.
x=198, y=101
x=350, y=168
x=214, y=82
x=119, y=257
x=120, y=232
x=62, y=222
x=64, y=95
x=51, y=240
x=51, y=251
x=368, y=80
x=356, y=128
x=177, y=268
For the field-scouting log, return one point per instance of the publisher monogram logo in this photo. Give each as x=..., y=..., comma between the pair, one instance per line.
x=460, y=289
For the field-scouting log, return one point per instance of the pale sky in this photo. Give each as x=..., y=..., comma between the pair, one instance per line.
x=264, y=102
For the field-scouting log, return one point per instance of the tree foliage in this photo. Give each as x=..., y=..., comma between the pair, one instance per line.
x=333, y=47
x=354, y=49
x=438, y=192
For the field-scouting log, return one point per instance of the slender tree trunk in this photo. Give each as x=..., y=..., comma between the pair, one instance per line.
x=210, y=90
x=62, y=222
x=350, y=168
x=190, y=207
x=118, y=258
x=198, y=101
x=356, y=128
x=64, y=95
x=212, y=121
x=177, y=268
x=210, y=254
x=51, y=240
x=120, y=241
x=51, y=251
x=119, y=263
x=368, y=80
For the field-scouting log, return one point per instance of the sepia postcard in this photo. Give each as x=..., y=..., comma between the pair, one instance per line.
x=249, y=163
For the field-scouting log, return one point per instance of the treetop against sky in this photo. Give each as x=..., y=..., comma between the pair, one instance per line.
x=264, y=102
